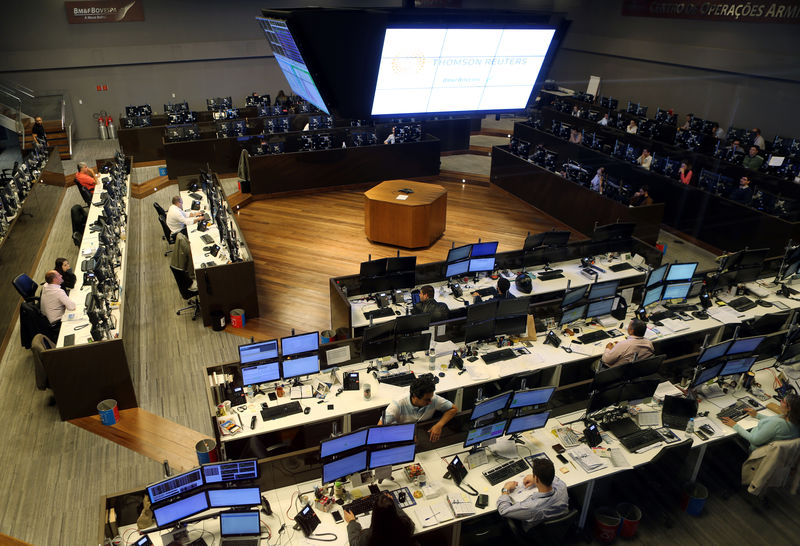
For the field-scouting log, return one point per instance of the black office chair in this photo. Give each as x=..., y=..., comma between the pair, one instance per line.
x=86, y=195
x=160, y=210
x=77, y=238
x=26, y=287
x=168, y=235
x=78, y=217
x=550, y=531
x=32, y=321
x=184, y=282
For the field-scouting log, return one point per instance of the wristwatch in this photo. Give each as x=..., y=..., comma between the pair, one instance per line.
x=504, y=491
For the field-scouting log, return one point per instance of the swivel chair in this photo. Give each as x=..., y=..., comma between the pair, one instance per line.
x=168, y=235
x=160, y=210
x=550, y=531
x=184, y=282
x=86, y=195
x=26, y=287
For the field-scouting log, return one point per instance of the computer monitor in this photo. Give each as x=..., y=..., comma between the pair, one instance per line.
x=458, y=253
x=181, y=509
x=713, y=351
x=744, y=345
x=511, y=307
x=371, y=350
x=390, y=434
x=652, y=295
x=681, y=272
x=383, y=330
x=302, y=343
x=296, y=367
x=482, y=311
x=676, y=291
x=408, y=324
x=174, y=485
x=484, y=249
x=479, y=265
x=484, y=433
x=600, y=308
x=707, y=374
x=404, y=263
x=657, y=275
x=261, y=373
x=239, y=524
x=527, y=422
x=392, y=456
x=240, y=496
x=603, y=399
x=737, y=366
x=373, y=268
x=478, y=331
x=547, y=238
x=511, y=325
x=230, y=471
x=571, y=315
x=345, y=466
x=747, y=274
x=573, y=295
x=456, y=269
x=341, y=444
x=412, y=344
x=491, y=405
x=531, y=397
x=639, y=389
x=612, y=232
x=601, y=290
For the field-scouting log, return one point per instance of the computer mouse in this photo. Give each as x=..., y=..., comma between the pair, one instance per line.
x=702, y=315
x=397, y=312
x=307, y=411
x=441, y=374
x=763, y=303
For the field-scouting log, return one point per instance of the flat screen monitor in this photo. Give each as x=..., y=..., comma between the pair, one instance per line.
x=652, y=295
x=302, y=343
x=478, y=331
x=343, y=443
x=240, y=496
x=392, y=456
x=547, y=238
x=458, y=253
x=373, y=268
x=484, y=249
x=290, y=61
x=573, y=295
x=413, y=344
x=600, y=308
x=478, y=265
x=303, y=365
x=181, y=509
x=371, y=350
x=604, y=398
x=408, y=324
x=601, y=290
x=511, y=325
x=676, y=291
x=612, y=232
x=657, y=275
x=747, y=274
x=707, y=374
x=513, y=307
x=527, y=422
x=243, y=524
x=491, y=405
x=484, y=433
x=456, y=269
x=482, y=311
x=174, y=486
x=261, y=373
x=458, y=69
x=383, y=330
x=532, y=397
x=639, y=389
x=571, y=315
x=390, y=434
x=681, y=272
x=344, y=467
x=230, y=471
x=404, y=263
x=737, y=366
x=713, y=351
x=744, y=345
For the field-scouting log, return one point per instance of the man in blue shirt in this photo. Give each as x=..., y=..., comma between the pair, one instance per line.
x=420, y=405
x=548, y=497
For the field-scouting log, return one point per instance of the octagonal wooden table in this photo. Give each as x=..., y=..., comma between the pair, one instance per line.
x=414, y=220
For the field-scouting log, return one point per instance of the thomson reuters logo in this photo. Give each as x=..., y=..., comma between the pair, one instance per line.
x=414, y=63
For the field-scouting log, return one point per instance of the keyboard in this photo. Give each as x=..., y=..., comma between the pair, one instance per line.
x=734, y=411
x=379, y=313
x=661, y=315
x=591, y=337
x=284, y=410
x=682, y=307
x=207, y=239
x=491, y=291
x=549, y=275
x=196, y=196
x=638, y=440
x=497, y=356
x=742, y=304
x=620, y=267
x=398, y=379
x=505, y=471
x=363, y=505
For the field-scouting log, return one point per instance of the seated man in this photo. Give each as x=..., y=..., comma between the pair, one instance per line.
x=752, y=160
x=645, y=159
x=548, y=500
x=391, y=139
x=743, y=193
x=420, y=405
x=427, y=304
x=503, y=290
x=177, y=220
x=54, y=301
x=641, y=197
x=621, y=352
x=86, y=177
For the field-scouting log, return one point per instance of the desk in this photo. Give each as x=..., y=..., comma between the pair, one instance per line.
x=416, y=221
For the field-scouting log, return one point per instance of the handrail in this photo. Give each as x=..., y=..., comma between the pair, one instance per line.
x=18, y=88
x=18, y=108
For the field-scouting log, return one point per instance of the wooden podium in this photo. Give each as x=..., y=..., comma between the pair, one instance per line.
x=414, y=220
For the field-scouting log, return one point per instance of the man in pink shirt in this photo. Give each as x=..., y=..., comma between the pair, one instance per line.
x=54, y=301
x=634, y=345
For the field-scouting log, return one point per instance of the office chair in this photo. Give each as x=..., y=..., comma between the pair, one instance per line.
x=160, y=210
x=550, y=531
x=77, y=238
x=26, y=287
x=32, y=321
x=40, y=344
x=86, y=195
x=184, y=282
x=168, y=235
x=78, y=217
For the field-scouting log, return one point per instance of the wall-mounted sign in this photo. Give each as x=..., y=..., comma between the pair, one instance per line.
x=716, y=10
x=104, y=11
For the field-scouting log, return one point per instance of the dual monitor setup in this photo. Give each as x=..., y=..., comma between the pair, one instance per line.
x=508, y=413
x=470, y=259
x=670, y=283
x=595, y=301
x=625, y=382
x=261, y=363
x=388, y=274
x=401, y=336
x=732, y=357
x=496, y=318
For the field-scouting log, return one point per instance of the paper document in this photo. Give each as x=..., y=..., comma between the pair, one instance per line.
x=586, y=459
x=725, y=315
x=301, y=392
x=434, y=512
x=676, y=325
x=666, y=388
x=461, y=504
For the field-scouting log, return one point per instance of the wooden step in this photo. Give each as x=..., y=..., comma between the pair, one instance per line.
x=6, y=540
x=470, y=178
x=238, y=200
x=151, y=186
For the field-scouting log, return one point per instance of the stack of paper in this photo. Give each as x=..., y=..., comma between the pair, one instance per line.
x=431, y=513
x=725, y=315
x=460, y=504
x=586, y=459
x=675, y=325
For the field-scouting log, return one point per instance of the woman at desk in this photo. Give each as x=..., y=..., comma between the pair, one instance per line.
x=389, y=526
x=63, y=267
x=771, y=427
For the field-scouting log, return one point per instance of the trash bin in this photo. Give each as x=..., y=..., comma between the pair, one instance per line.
x=237, y=318
x=217, y=321
x=109, y=412
x=206, y=451
x=606, y=521
x=694, y=498
x=631, y=515
x=327, y=336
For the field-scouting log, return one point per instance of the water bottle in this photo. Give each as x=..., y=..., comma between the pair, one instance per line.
x=690, y=427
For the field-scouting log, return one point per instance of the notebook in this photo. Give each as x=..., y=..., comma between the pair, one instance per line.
x=239, y=528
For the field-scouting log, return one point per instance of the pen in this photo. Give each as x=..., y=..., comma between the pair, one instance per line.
x=240, y=420
x=432, y=516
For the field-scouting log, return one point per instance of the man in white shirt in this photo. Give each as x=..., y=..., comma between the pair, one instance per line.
x=391, y=139
x=604, y=121
x=177, y=220
x=420, y=405
x=632, y=128
x=758, y=140
x=54, y=301
x=645, y=159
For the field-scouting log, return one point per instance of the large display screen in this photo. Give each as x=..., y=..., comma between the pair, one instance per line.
x=458, y=69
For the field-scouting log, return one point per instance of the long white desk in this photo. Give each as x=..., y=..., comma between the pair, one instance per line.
x=201, y=258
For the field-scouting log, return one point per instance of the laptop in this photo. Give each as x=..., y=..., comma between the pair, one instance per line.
x=239, y=528
x=677, y=411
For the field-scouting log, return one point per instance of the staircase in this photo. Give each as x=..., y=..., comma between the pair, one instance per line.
x=19, y=105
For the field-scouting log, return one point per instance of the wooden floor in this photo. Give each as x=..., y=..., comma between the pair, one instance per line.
x=299, y=242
